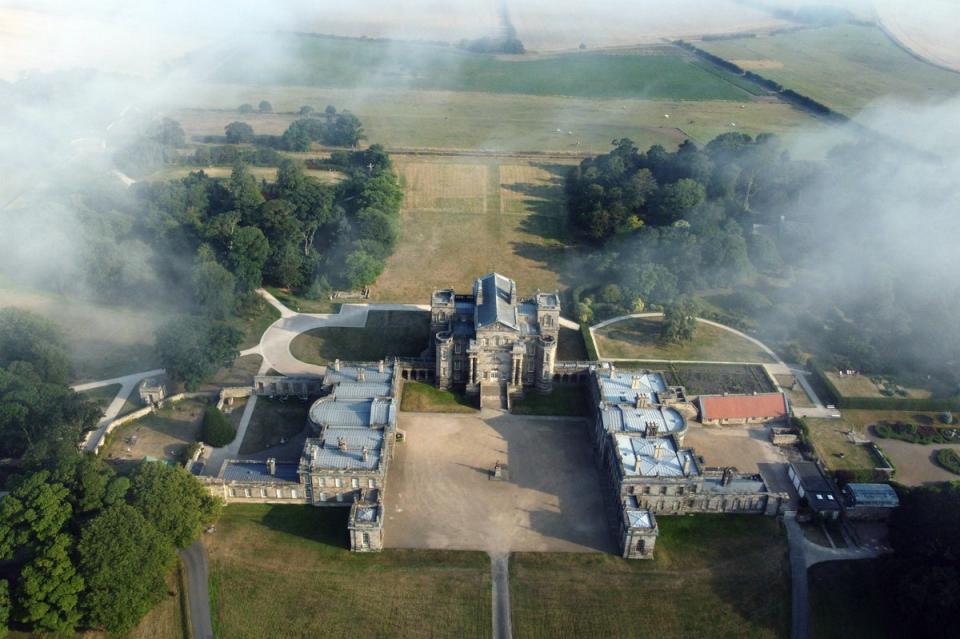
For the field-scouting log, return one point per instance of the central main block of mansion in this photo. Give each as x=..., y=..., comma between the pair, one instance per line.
x=495, y=343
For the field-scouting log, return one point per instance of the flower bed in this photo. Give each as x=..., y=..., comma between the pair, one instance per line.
x=949, y=459
x=917, y=433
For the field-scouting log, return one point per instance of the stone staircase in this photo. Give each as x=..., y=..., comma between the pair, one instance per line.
x=494, y=395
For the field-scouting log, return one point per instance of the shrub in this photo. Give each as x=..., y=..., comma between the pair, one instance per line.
x=949, y=459
x=217, y=430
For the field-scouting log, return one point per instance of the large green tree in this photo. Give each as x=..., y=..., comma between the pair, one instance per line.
x=123, y=559
x=49, y=589
x=34, y=512
x=27, y=337
x=173, y=501
x=191, y=349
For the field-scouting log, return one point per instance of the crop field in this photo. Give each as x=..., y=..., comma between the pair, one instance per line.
x=466, y=216
x=845, y=66
x=653, y=71
x=639, y=338
x=712, y=576
x=285, y=571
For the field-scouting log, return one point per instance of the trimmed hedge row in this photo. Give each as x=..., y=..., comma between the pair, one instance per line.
x=588, y=341
x=882, y=403
x=917, y=434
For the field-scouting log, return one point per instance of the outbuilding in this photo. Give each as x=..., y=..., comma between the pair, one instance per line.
x=870, y=501
x=758, y=408
x=813, y=486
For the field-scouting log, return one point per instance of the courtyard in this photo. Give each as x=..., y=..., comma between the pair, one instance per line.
x=441, y=496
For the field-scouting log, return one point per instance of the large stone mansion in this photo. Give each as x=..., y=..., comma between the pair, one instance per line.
x=495, y=344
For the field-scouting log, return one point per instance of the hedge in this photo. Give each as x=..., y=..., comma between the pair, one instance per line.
x=917, y=434
x=592, y=354
x=882, y=403
x=949, y=459
x=217, y=430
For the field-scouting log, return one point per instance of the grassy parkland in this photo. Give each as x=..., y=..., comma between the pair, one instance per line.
x=387, y=333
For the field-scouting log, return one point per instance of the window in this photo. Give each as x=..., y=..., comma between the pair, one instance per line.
x=646, y=490
x=293, y=493
x=263, y=492
x=339, y=496
x=355, y=483
x=456, y=365
x=458, y=348
x=338, y=482
x=679, y=490
x=663, y=490
x=233, y=492
x=322, y=497
x=371, y=483
x=279, y=493
x=365, y=540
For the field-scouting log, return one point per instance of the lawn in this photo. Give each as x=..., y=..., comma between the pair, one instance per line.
x=102, y=395
x=569, y=401
x=847, y=601
x=712, y=576
x=387, y=334
x=284, y=571
x=463, y=217
x=798, y=397
x=639, y=338
x=829, y=438
x=302, y=304
x=864, y=386
x=425, y=398
x=239, y=373
x=570, y=345
x=267, y=173
x=655, y=71
x=845, y=66
x=273, y=421
x=714, y=379
x=254, y=320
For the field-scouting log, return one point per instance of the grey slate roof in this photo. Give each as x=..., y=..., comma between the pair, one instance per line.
x=361, y=390
x=640, y=459
x=234, y=470
x=348, y=373
x=342, y=413
x=618, y=389
x=327, y=455
x=623, y=418
x=497, y=303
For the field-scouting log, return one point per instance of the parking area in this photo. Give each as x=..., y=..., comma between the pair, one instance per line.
x=440, y=493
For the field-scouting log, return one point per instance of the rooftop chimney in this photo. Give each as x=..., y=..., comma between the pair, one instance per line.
x=686, y=465
x=613, y=371
x=342, y=444
x=651, y=430
x=658, y=451
x=635, y=382
x=364, y=454
x=360, y=374
x=336, y=365
x=727, y=476
x=380, y=366
x=272, y=466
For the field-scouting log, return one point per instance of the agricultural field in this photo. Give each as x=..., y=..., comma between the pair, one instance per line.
x=387, y=333
x=654, y=71
x=712, y=575
x=639, y=338
x=714, y=379
x=845, y=66
x=462, y=217
x=284, y=570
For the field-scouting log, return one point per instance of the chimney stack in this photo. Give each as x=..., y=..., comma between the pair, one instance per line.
x=613, y=371
x=342, y=444
x=686, y=464
x=635, y=382
x=380, y=366
x=272, y=466
x=336, y=365
x=658, y=451
x=364, y=454
x=360, y=374
x=727, y=476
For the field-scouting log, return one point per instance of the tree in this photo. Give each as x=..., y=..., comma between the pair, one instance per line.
x=679, y=322
x=244, y=190
x=92, y=484
x=360, y=269
x=286, y=266
x=27, y=337
x=170, y=133
x=191, y=349
x=217, y=430
x=239, y=132
x=4, y=607
x=245, y=108
x=673, y=201
x=173, y=500
x=306, y=111
x=33, y=514
x=247, y=256
x=49, y=588
x=123, y=559
x=213, y=288
x=265, y=107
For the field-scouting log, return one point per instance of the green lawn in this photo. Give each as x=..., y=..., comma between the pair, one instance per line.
x=284, y=571
x=426, y=398
x=829, y=438
x=387, y=333
x=656, y=71
x=712, y=576
x=847, y=601
x=302, y=304
x=570, y=345
x=639, y=338
x=103, y=395
x=254, y=320
x=569, y=401
x=845, y=66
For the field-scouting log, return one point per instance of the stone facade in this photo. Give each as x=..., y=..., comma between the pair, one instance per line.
x=493, y=338
x=638, y=531
x=366, y=523
x=152, y=392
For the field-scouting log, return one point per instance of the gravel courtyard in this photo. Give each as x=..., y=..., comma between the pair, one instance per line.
x=440, y=494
